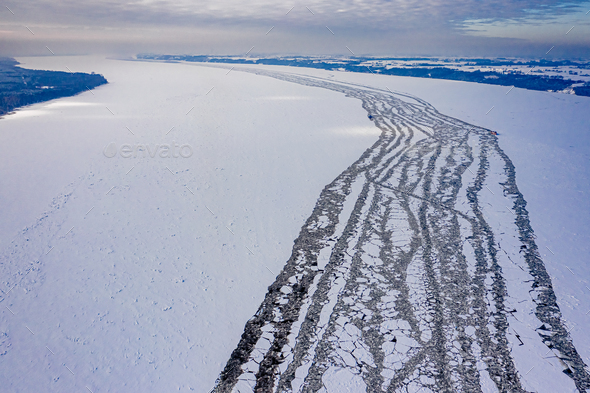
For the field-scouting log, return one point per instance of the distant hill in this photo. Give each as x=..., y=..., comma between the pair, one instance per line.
x=419, y=70
x=20, y=86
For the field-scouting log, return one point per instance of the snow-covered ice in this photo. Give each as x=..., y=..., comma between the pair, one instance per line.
x=139, y=273
x=151, y=288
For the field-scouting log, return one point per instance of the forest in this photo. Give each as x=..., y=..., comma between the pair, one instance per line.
x=21, y=86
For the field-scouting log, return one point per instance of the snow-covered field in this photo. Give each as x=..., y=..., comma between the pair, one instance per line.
x=571, y=72
x=139, y=273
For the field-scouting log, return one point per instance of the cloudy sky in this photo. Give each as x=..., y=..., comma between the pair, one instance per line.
x=526, y=28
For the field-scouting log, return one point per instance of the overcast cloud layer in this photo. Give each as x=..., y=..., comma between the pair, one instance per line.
x=396, y=28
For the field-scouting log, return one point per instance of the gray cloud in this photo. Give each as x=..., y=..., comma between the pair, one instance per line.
x=347, y=11
x=232, y=26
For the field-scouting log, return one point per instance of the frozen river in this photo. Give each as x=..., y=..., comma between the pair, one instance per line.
x=136, y=270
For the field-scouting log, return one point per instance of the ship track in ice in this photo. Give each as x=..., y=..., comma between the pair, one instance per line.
x=398, y=280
